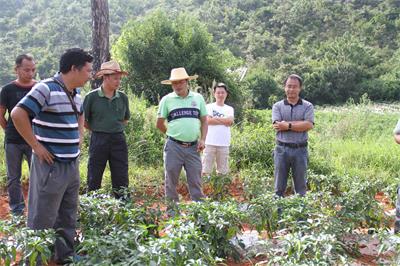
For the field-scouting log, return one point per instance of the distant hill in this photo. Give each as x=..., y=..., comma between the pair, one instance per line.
x=280, y=35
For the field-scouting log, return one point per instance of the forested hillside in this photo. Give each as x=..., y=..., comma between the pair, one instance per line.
x=343, y=49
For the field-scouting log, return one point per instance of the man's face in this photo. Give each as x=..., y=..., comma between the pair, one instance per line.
x=292, y=88
x=82, y=75
x=220, y=94
x=180, y=86
x=112, y=81
x=26, y=71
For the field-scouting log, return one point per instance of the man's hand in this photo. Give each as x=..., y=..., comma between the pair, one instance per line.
x=281, y=126
x=200, y=145
x=43, y=153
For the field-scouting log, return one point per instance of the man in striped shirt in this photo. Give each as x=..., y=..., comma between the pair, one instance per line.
x=55, y=105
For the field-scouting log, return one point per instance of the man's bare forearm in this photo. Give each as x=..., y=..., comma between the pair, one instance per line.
x=226, y=121
x=161, y=125
x=297, y=126
x=23, y=125
x=397, y=138
x=203, y=128
x=3, y=121
x=301, y=126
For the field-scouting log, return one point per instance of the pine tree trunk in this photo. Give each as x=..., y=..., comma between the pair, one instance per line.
x=100, y=36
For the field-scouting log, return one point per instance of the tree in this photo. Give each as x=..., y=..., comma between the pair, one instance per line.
x=339, y=70
x=262, y=87
x=100, y=35
x=151, y=47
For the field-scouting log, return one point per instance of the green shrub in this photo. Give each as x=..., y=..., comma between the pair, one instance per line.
x=32, y=244
x=219, y=222
x=307, y=249
x=257, y=180
x=145, y=142
x=252, y=144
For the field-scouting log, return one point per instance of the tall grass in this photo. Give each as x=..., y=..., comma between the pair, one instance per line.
x=357, y=141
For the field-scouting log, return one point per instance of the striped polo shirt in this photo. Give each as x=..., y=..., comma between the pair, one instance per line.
x=54, y=123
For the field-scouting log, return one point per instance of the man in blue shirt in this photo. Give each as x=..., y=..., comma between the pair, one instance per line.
x=55, y=136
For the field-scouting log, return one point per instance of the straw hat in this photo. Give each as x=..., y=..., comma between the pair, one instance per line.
x=110, y=67
x=178, y=74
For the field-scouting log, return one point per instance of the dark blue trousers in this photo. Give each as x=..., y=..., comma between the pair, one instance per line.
x=109, y=147
x=286, y=159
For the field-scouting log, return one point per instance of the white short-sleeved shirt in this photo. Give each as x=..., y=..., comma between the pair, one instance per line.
x=219, y=135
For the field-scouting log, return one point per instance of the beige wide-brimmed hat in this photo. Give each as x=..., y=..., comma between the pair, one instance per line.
x=110, y=67
x=178, y=74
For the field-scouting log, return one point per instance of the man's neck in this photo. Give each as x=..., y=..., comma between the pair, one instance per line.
x=25, y=83
x=108, y=92
x=220, y=103
x=293, y=101
x=184, y=93
x=68, y=82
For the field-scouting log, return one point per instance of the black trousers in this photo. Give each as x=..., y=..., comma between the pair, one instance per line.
x=109, y=147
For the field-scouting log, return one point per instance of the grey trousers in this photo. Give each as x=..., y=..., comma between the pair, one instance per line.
x=53, y=201
x=397, y=219
x=14, y=156
x=296, y=159
x=177, y=156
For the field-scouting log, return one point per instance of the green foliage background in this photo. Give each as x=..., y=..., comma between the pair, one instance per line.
x=342, y=49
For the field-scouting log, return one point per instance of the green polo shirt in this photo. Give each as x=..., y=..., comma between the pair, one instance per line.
x=183, y=115
x=104, y=114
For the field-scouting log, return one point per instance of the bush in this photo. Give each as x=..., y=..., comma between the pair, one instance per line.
x=219, y=222
x=257, y=180
x=262, y=87
x=149, y=48
x=145, y=141
x=252, y=144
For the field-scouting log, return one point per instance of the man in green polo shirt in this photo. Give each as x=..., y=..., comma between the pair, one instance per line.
x=186, y=130
x=106, y=113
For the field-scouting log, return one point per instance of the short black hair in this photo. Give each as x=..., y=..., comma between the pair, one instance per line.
x=294, y=76
x=74, y=57
x=221, y=85
x=21, y=57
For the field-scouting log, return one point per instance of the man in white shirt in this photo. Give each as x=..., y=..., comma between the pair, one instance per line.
x=220, y=119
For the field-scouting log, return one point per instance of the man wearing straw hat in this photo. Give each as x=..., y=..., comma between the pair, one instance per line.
x=106, y=111
x=186, y=130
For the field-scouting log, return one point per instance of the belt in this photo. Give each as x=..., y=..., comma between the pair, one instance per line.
x=292, y=145
x=183, y=143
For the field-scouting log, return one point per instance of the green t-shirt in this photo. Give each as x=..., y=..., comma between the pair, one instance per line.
x=104, y=114
x=183, y=115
